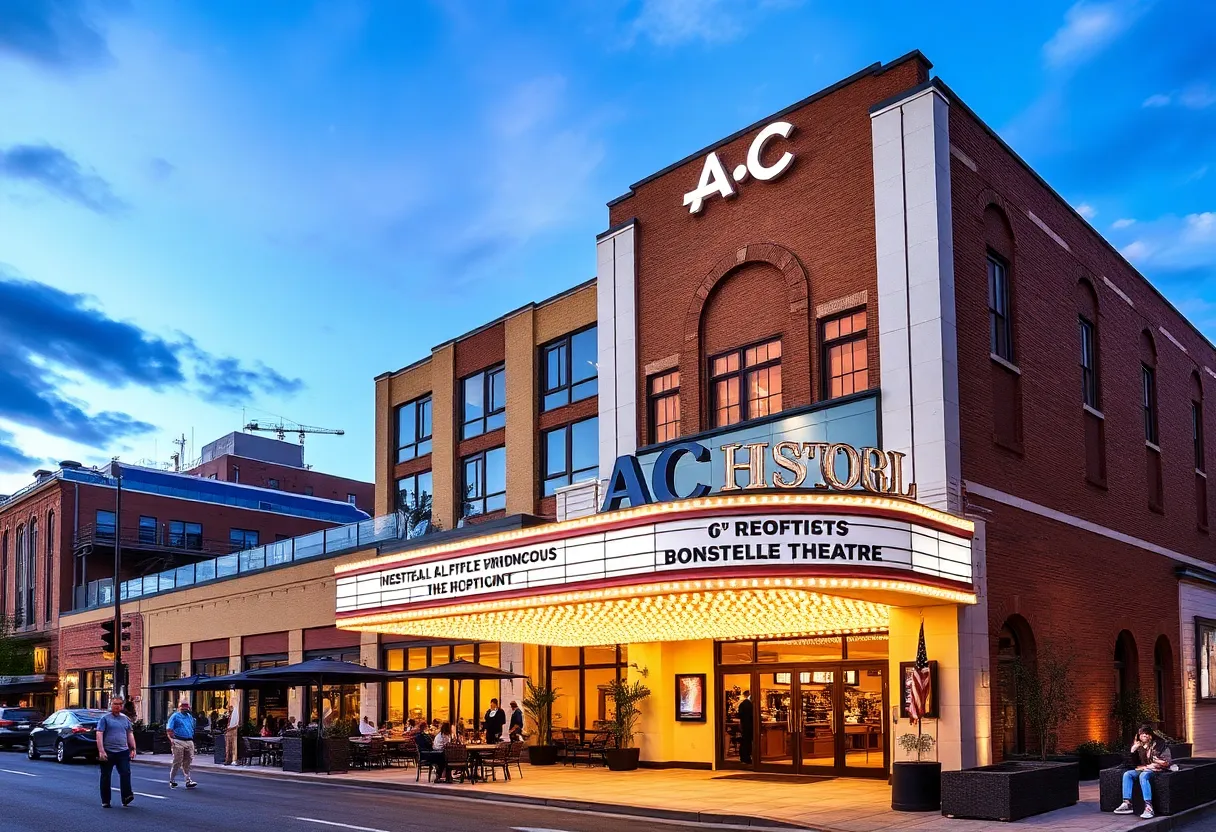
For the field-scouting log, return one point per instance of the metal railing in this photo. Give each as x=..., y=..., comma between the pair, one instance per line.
x=304, y=547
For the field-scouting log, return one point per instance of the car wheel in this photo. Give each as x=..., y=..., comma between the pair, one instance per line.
x=31, y=751
x=60, y=752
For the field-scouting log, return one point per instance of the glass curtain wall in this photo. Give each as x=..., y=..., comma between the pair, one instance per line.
x=210, y=702
x=581, y=677
x=431, y=699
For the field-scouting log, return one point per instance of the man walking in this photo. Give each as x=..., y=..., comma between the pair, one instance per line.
x=116, y=750
x=180, y=729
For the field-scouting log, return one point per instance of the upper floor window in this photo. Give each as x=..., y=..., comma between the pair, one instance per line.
x=271, y=482
x=746, y=383
x=105, y=525
x=413, y=492
x=999, y=318
x=664, y=394
x=845, y=361
x=1149, y=402
x=241, y=539
x=569, y=369
x=350, y=498
x=186, y=535
x=1197, y=434
x=571, y=454
x=484, y=397
x=147, y=529
x=308, y=491
x=484, y=482
x=1089, y=364
x=414, y=429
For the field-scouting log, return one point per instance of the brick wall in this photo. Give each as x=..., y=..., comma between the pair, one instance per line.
x=80, y=649
x=229, y=468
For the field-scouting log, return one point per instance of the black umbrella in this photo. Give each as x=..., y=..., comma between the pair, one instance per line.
x=460, y=671
x=194, y=682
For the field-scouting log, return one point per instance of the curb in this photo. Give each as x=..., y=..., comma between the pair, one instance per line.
x=625, y=810
x=1182, y=820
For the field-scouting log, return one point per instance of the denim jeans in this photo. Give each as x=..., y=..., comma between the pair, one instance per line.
x=120, y=760
x=1129, y=777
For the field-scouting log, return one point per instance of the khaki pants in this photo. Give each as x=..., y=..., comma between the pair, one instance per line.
x=231, y=743
x=183, y=756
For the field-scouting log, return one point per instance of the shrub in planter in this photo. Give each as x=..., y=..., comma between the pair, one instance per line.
x=916, y=785
x=334, y=751
x=1047, y=693
x=1093, y=756
x=538, y=705
x=625, y=697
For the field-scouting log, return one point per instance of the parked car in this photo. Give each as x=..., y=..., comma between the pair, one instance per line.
x=16, y=724
x=69, y=733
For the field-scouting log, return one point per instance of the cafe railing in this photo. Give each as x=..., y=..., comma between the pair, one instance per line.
x=305, y=547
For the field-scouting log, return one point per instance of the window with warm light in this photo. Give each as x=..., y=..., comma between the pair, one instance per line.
x=746, y=383
x=846, y=368
x=664, y=395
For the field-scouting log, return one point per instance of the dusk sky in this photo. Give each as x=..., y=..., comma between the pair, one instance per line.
x=216, y=211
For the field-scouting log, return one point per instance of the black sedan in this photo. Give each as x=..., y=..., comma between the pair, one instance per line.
x=69, y=733
x=16, y=724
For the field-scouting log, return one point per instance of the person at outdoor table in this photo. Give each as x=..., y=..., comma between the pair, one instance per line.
x=516, y=729
x=495, y=720
x=267, y=727
x=1153, y=755
x=214, y=719
x=289, y=725
x=180, y=729
x=442, y=741
x=366, y=728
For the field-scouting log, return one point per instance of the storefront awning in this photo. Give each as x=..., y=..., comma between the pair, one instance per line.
x=36, y=683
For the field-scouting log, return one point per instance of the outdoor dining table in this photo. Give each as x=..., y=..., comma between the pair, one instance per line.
x=476, y=760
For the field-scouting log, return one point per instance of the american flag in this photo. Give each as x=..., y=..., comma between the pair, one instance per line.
x=919, y=682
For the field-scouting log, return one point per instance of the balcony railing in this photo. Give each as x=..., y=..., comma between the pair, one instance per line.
x=147, y=539
x=305, y=547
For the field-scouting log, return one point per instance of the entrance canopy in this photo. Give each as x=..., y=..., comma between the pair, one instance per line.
x=761, y=565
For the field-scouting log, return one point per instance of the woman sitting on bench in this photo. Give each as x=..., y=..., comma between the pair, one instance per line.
x=1153, y=756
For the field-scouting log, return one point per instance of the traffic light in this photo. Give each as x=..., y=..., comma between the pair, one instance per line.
x=107, y=636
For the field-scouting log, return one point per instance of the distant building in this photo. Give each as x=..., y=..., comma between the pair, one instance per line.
x=272, y=463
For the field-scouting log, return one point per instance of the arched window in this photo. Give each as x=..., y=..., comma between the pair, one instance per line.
x=1091, y=383
x=1163, y=678
x=4, y=573
x=1127, y=664
x=48, y=583
x=1014, y=644
x=31, y=573
x=1152, y=430
x=19, y=582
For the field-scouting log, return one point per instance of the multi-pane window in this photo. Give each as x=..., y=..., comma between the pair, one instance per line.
x=1089, y=364
x=845, y=362
x=1149, y=402
x=241, y=539
x=1197, y=434
x=185, y=535
x=571, y=454
x=352, y=499
x=665, y=406
x=484, y=397
x=414, y=429
x=147, y=529
x=105, y=525
x=569, y=369
x=746, y=383
x=999, y=318
x=484, y=482
x=412, y=491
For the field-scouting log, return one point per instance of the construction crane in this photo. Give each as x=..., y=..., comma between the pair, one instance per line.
x=284, y=427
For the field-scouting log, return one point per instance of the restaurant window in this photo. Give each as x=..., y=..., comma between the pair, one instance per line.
x=1000, y=321
x=484, y=482
x=746, y=383
x=413, y=492
x=209, y=702
x=104, y=530
x=414, y=429
x=484, y=402
x=147, y=529
x=428, y=699
x=1148, y=389
x=337, y=701
x=162, y=701
x=571, y=454
x=96, y=688
x=1089, y=365
x=569, y=369
x=241, y=539
x=664, y=393
x=185, y=535
x=845, y=361
x=265, y=702
x=582, y=679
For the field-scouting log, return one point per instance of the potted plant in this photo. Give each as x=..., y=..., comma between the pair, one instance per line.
x=538, y=705
x=625, y=699
x=916, y=785
x=1093, y=756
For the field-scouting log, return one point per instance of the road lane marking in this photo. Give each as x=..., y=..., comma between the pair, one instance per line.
x=153, y=796
x=535, y=829
x=341, y=825
x=14, y=771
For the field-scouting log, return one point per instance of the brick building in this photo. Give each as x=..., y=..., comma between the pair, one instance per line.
x=870, y=274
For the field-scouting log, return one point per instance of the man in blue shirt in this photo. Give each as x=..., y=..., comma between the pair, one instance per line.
x=180, y=729
x=115, y=750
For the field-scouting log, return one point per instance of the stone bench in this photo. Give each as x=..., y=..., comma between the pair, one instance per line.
x=1173, y=791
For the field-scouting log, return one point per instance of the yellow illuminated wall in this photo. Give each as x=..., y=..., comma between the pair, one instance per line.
x=662, y=739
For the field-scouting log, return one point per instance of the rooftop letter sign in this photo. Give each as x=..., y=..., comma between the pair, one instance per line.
x=714, y=180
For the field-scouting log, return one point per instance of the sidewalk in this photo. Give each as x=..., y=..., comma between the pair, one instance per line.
x=825, y=805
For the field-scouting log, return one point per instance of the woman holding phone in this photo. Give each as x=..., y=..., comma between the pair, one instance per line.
x=1153, y=755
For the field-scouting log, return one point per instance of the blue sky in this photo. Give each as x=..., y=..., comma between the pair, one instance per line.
x=220, y=210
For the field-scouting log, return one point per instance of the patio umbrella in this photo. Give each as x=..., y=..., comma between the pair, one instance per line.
x=460, y=671
x=192, y=682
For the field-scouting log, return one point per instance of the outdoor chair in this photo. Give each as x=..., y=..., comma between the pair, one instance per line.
x=568, y=743
x=377, y=753
x=499, y=759
x=247, y=752
x=360, y=755
x=594, y=749
x=402, y=753
x=515, y=753
x=456, y=758
x=422, y=762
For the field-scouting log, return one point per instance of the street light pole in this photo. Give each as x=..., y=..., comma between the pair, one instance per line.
x=116, y=471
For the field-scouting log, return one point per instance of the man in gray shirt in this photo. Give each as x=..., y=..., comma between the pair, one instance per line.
x=116, y=750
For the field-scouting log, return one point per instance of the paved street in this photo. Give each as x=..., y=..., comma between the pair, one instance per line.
x=44, y=796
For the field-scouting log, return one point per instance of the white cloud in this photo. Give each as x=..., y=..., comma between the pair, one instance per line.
x=1137, y=251
x=1197, y=97
x=1086, y=210
x=676, y=22
x=1173, y=243
x=1088, y=28
x=1158, y=100
x=1125, y=222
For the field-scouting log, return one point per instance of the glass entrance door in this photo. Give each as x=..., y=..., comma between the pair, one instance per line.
x=819, y=719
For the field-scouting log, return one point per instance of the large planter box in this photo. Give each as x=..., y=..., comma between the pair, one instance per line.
x=1091, y=765
x=335, y=756
x=1009, y=791
x=916, y=786
x=1179, y=750
x=152, y=742
x=300, y=754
